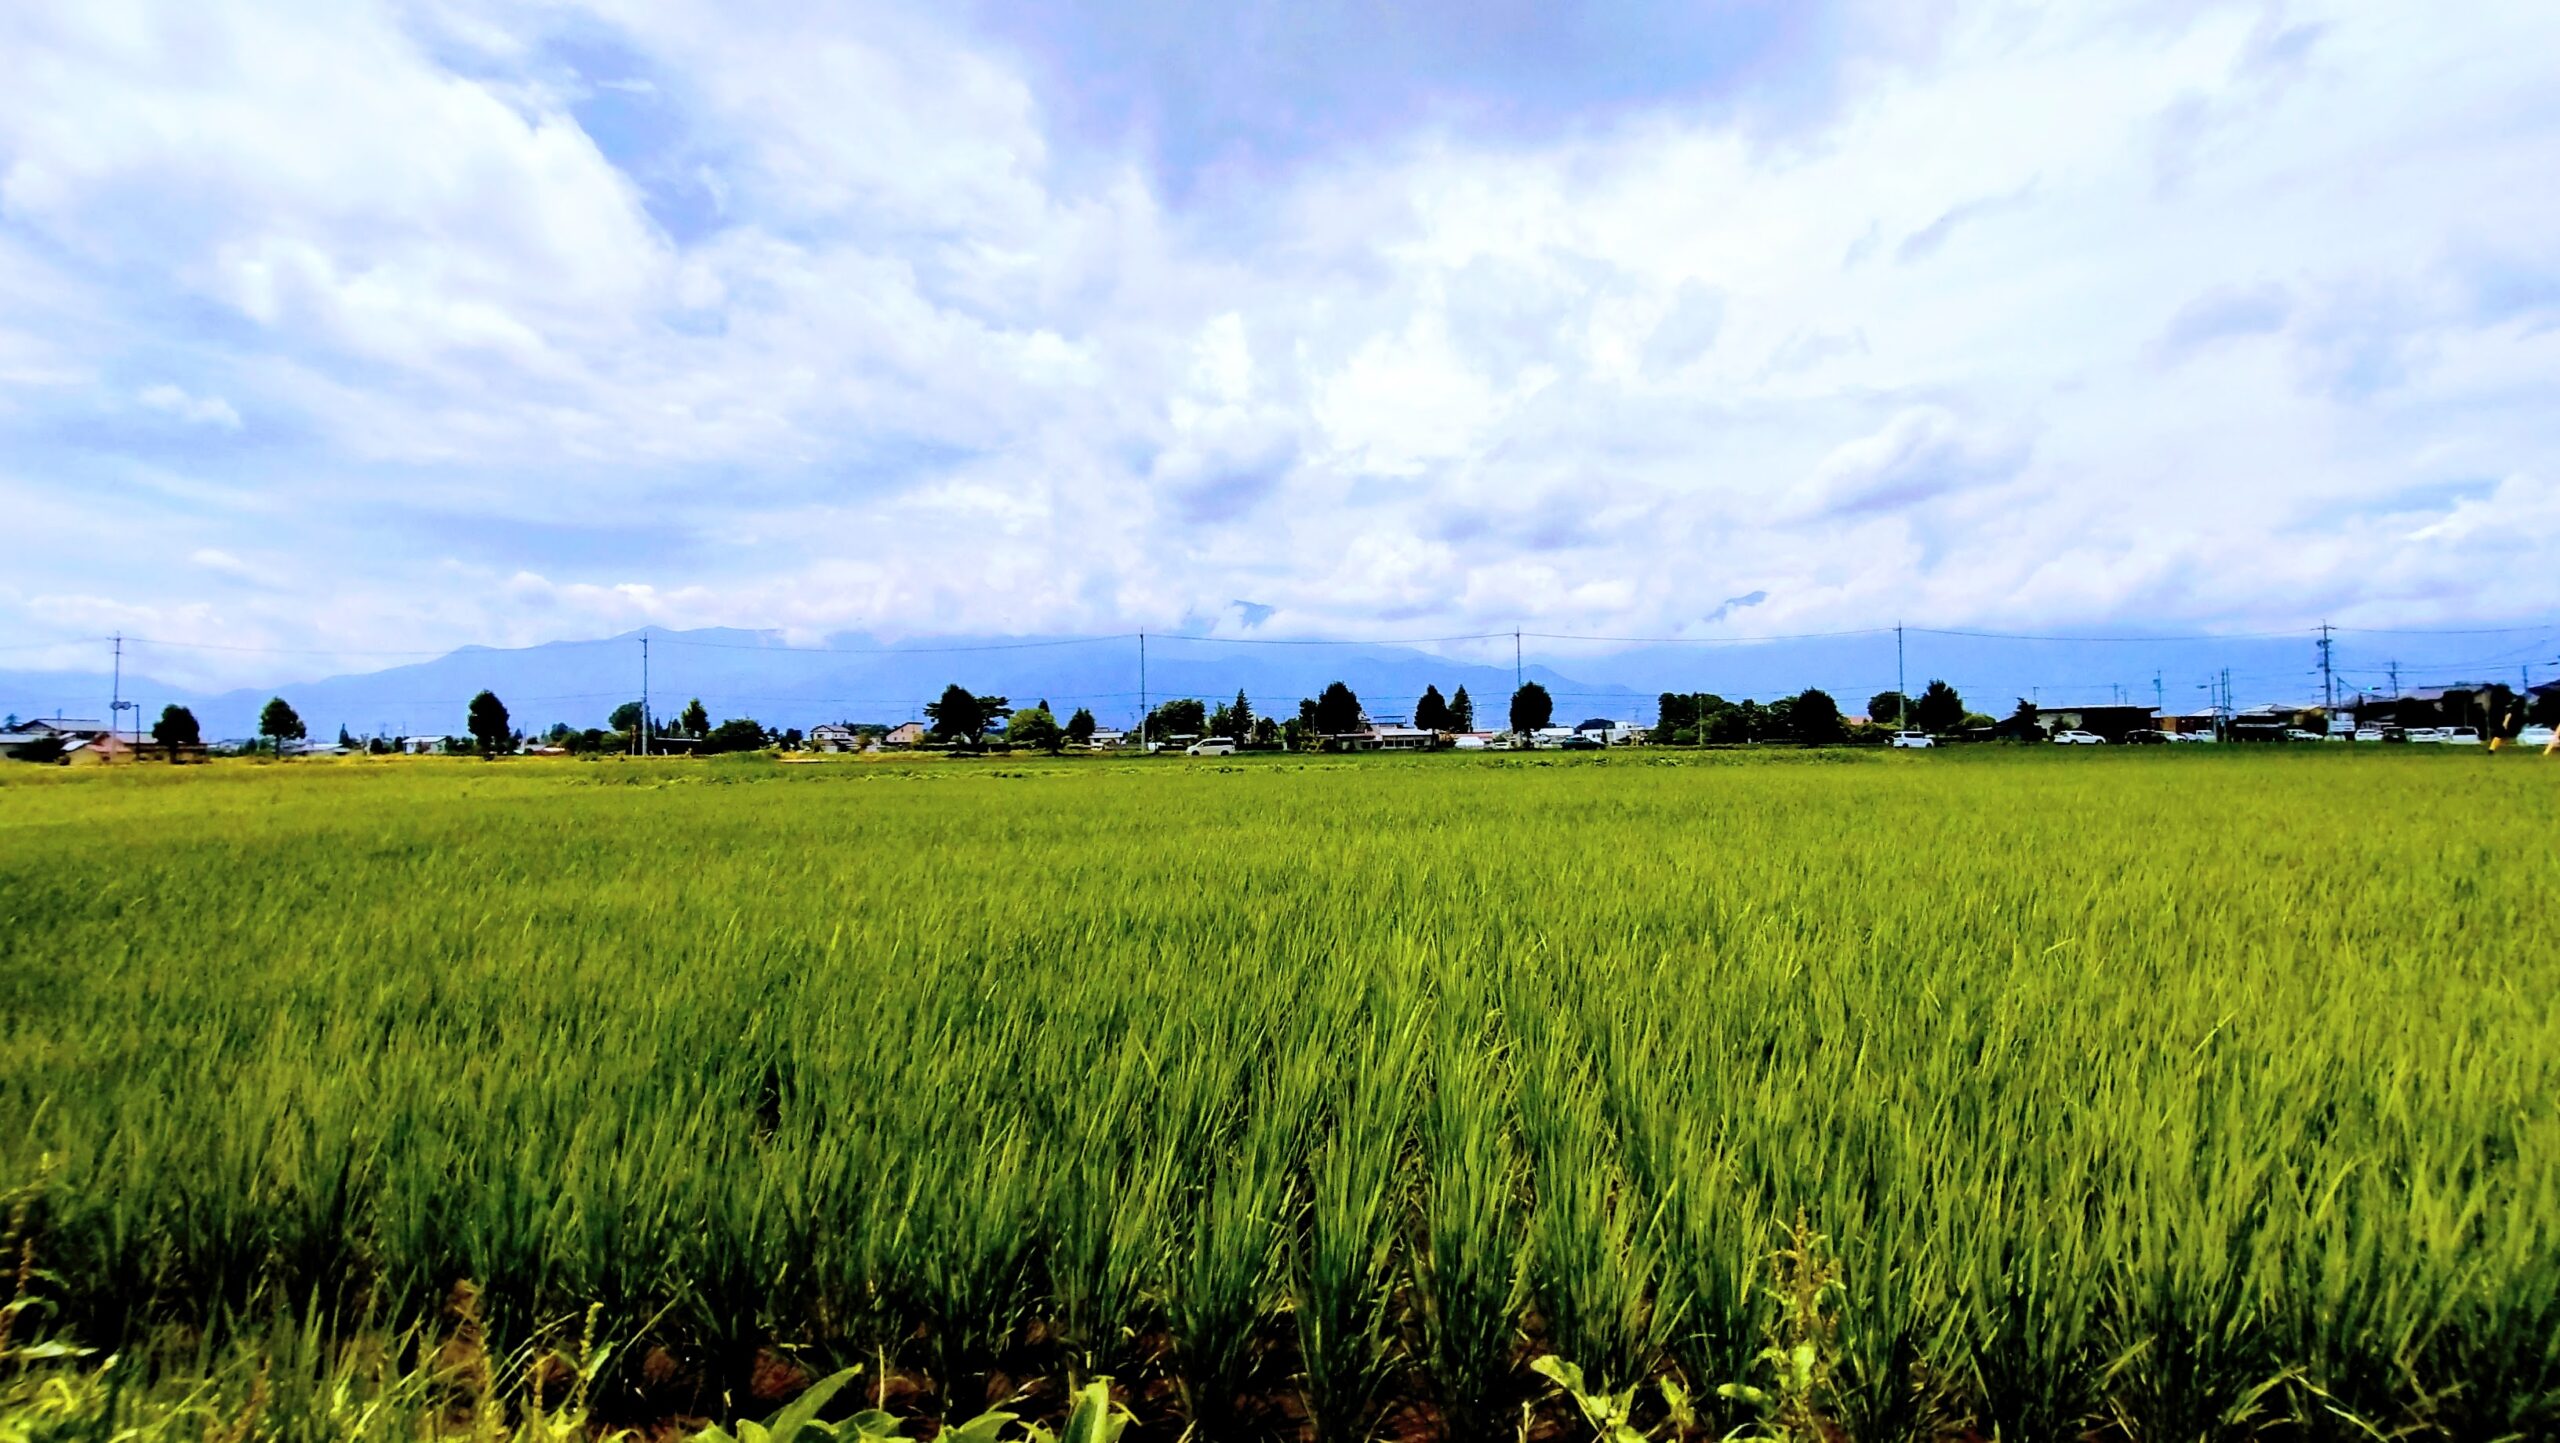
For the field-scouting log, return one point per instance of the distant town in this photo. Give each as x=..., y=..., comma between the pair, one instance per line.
x=1339, y=721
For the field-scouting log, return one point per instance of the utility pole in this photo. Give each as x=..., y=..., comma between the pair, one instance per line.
x=2159, y=694
x=1142, y=693
x=1901, y=687
x=115, y=706
x=644, y=691
x=1518, y=676
x=2395, y=681
x=2328, y=681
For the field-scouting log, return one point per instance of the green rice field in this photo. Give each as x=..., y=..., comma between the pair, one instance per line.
x=2144, y=1094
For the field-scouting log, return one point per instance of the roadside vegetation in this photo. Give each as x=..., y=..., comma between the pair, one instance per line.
x=1825, y=1094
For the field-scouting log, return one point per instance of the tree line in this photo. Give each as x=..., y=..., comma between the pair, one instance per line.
x=968, y=721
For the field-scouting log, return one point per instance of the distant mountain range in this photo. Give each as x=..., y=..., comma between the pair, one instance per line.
x=859, y=678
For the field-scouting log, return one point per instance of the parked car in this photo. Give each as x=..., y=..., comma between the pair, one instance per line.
x=2534, y=736
x=2368, y=734
x=2297, y=734
x=1211, y=747
x=1578, y=742
x=2078, y=738
x=2426, y=734
x=2145, y=738
x=2459, y=736
x=2191, y=738
x=1914, y=739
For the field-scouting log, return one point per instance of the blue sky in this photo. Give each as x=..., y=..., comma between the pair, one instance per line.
x=360, y=328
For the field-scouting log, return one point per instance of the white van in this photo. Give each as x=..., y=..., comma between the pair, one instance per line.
x=1211, y=747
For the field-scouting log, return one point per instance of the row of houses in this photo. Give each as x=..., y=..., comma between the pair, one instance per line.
x=2488, y=707
x=85, y=741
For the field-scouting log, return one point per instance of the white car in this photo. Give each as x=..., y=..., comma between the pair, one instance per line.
x=2424, y=734
x=2078, y=738
x=2458, y=736
x=2297, y=734
x=1211, y=747
x=2534, y=736
x=1914, y=739
x=2368, y=734
x=2190, y=738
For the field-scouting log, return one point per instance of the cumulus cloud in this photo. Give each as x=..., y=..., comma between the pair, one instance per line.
x=969, y=321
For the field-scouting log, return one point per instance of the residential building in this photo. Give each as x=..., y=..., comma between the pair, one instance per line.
x=904, y=734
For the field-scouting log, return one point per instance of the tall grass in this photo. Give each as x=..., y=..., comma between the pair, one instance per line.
x=2179, y=1096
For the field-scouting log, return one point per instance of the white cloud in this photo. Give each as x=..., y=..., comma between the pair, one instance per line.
x=223, y=563
x=2064, y=312
x=196, y=410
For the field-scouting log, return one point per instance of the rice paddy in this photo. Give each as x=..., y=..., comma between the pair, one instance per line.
x=2150, y=1095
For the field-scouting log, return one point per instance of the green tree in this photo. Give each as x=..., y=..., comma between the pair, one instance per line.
x=626, y=718
x=959, y=718
x=1239, y=719
x=1338, y=711
x=1431, y=713
x=1887, y=708
x=486, y=720
x=1080, y=727
x=177, y=728
x=1675, y=716
x=1035, y=728
x=693, y=721
x=278, y=723
x=1181, y=717
x=737, y=734
x=1532, y=709
x=1938, y=708
x=1266, y=732
x=1462, y=712
x=1814, y=718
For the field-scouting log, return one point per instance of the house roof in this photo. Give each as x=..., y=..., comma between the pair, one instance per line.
x=71, y=724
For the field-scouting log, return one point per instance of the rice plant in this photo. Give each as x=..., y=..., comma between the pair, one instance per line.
x=2145, y=1095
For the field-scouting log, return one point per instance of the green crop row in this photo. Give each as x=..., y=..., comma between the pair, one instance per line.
x=2178, y=1096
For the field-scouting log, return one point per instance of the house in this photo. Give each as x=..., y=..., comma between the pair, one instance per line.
x=1611, y=733
x=1105, y=738
x=834, y=737
x=2480, y=704
x=905, y=734
x=2194, y=723
x=1401, y=739
x=68, y=728
x=28, y=743
x=98, y=751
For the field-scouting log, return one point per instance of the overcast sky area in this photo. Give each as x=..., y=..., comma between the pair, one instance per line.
x=362, y=327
